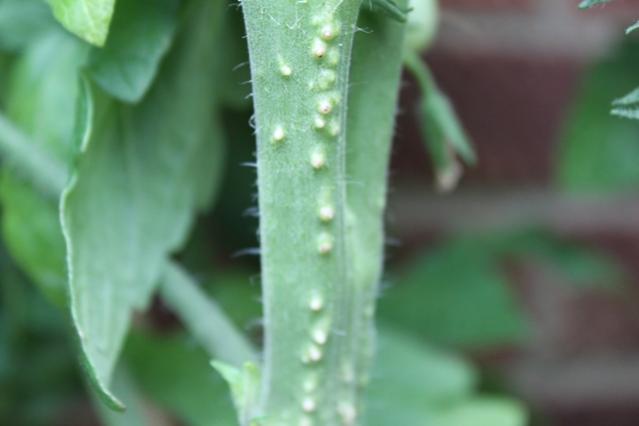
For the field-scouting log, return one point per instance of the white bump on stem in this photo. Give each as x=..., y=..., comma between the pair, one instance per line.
x=319, y=123
x=319, y=48
x=333, y=56
x=316, y=303
x=325, y=245
x=334, y=129
x=279, y=134
x=325, y=106
x=326, y=79
x=309, y=405
x=286, y=70
x=320, y=336
x=315, y=354
x=318, y=159
x=328, y=31
x=326, y=213
x=347, y=412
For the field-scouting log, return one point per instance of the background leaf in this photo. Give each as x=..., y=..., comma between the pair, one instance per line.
x=22, y=22
x=36, y=384
x=88, y=19
x=190, y=388
x=599, y=152
x=418, y=385
x=441, y=128
x=456, y=295
x=43, y=106
x=140, y=36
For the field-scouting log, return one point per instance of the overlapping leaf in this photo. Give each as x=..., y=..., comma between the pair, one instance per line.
x=142, y=174
x=88, y=19
x=141, y=34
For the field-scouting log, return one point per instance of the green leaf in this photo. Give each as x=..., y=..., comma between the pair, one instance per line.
x=245, y=387
x=135, y=414
x=586, y=4
x=88, y=19
x=43, y=106
x=407, y=368
x=176, y=374
x=22, y=22
x=598, y=152
x=580, y=265
x=441, y=128
x=628, y=100
x=142, y=174
x=631, y=113
x=141, y=34
x=441, y=285
x=632, y=28
x=418, y=385
x=628, y=106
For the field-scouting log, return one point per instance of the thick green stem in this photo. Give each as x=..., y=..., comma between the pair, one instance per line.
x=322, y=186
x=300, y=58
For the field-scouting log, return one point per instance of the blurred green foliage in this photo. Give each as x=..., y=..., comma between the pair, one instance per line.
x=39, y=375
x=458, y=293
x=599, y=152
